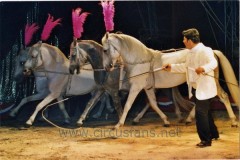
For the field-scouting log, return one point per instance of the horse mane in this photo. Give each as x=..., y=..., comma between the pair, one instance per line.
x=95, y=54
x=136, y=51
x=92, y=43
x=59, y=56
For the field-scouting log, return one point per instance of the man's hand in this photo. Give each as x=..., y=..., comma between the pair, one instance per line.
x=167, y=67
x=200, y=70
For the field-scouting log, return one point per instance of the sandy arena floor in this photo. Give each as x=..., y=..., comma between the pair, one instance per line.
x=148, y=140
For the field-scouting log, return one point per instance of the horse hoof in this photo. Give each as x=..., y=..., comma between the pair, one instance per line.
x=12, y=114
x=79, y=124
x=181, y=121
x=22, y=128
x=187, y=123
x=12, y=117
x=111, y=110
x=27, y=125
x=67, y=122
x=116, y=127
x=96, y=116
x=135, y=123
x=166, y=125
x=234, y=125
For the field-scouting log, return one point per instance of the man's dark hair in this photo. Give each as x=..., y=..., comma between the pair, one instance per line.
x=192, y=34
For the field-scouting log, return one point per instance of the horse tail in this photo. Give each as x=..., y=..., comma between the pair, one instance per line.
x=229, y=76
x=179, y=100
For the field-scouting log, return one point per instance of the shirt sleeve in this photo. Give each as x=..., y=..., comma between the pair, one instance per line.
x=211, y=62
x=178, y=68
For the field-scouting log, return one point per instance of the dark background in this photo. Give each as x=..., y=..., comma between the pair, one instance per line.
x=156, y=23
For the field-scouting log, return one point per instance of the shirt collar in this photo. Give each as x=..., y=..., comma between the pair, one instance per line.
x=197, y=47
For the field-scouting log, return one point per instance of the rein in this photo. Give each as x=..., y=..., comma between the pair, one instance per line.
x=161, y=68
x=172, y=50
x=46, y=71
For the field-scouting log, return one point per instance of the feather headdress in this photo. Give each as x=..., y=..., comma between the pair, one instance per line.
x=29, y=31
x=78, y=21
x=50, y=24
x=108, y=12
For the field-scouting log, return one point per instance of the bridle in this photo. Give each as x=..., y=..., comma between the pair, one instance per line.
x=35, y=59
x=82, y=58
x=107, y=52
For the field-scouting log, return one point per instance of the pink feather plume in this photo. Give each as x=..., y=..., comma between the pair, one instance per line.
x=48, y=27
x=108, y=12
x=78, y=21
x=29, y=31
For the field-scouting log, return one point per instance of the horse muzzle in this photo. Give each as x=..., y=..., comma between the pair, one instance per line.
x=27, y=72
x=109, y=67
x=72, y=69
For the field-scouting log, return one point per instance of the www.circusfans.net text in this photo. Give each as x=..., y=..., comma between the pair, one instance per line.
x=103, y=133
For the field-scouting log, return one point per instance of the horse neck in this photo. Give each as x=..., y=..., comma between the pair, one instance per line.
x=50, y=63
x=94, y=57
x=135, y=52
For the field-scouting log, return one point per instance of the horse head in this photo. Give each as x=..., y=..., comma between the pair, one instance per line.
x=34, y=59
x=111, y=49
x=77, y=57
x=20, y=62
x=87, y=51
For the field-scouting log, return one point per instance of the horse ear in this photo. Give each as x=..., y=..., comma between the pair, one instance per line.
x=74, y=41
x=22, y=47
x=107, y=35
x=39, y=44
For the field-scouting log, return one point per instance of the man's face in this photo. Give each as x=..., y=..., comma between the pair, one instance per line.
x=187, y=43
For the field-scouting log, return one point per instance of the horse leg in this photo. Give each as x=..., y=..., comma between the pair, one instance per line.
x=102, y=105
x=62, y=108
x=108, y=103
x=171, y=94
x=177, y=106
x=190, y=116
x=152, y=99
x=89, y=106
x=172, y=98
x=134, y=91
x=40, y=106
x=178, y=112
x=117, y=103
x=185, y=104
x=225, y=99
x=140, y=115
x=25, y=100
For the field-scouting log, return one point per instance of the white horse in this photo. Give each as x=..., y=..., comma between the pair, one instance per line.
x=42, y=89
x=141, y=62
x=41, y=85
x=85, y=51
x=54, y=65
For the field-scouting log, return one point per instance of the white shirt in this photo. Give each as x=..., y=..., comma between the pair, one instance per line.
x=199, y=56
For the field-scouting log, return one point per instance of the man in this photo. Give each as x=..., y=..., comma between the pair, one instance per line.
x=199, y=62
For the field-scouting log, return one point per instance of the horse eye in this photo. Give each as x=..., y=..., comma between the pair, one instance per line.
x=105, y=51
x=22, y=63
x=73, y=55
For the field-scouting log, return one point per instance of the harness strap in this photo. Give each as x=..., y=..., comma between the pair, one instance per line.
x=68, y=86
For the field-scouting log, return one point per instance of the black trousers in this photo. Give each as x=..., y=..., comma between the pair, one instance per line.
x=206, y=127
